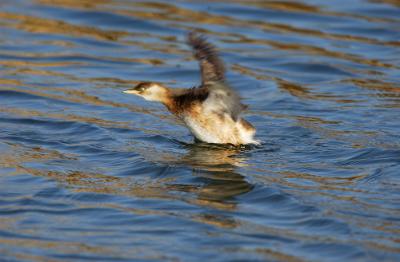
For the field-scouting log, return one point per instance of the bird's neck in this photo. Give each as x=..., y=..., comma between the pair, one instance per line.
x=168, y=100
x=170, y=105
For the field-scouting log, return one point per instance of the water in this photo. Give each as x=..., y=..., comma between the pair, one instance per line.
x=90, y=173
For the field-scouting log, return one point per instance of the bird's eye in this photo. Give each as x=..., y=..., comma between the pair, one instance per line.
x=139, y=88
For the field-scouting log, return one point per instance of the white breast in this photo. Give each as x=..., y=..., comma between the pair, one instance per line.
x=200, y=131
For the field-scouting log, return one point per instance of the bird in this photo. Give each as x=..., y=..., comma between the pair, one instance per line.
x=212, y=110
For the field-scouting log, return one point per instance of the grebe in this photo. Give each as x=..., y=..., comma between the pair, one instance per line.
x=212, y=110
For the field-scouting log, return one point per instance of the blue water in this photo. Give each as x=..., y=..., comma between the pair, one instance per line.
x=90, y=173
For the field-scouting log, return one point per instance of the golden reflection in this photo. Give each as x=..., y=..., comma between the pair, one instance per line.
x=11, y=64
x=291, y=6
x=33, y=71
x=284, y=6
x=395, y=3
x=84, y=4
x=64, y=246
x=16, y=156
x=274, y=255
x=295, y=89
x=375, y=84
x=389, y=92
x=216, y=220
x=47, y=26
x=5, y=81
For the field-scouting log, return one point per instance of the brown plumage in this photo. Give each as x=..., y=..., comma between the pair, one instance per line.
x=210, y=111
x=181, y=102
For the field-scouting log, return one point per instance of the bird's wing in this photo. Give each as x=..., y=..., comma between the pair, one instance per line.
x=221, y=98
x=211, y=67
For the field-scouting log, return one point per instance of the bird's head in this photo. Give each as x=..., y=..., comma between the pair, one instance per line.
x=150, y=91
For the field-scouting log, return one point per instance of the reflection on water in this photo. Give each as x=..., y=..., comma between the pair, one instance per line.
x=87, y=173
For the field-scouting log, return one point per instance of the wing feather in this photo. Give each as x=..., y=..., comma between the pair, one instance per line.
x=220, y=97
x=212, y=68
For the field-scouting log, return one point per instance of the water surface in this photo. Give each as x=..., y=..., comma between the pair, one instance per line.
x=90, y=173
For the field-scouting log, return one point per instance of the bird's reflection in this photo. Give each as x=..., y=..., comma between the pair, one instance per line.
x=215, y=166
x=214, y=179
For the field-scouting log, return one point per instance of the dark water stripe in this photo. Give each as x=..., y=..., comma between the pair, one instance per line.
x=14, y=96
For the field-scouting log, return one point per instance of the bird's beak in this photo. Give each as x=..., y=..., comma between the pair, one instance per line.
x=131, y=91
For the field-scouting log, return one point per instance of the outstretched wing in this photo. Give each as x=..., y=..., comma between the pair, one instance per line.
x=221, y=98
x=212, y=68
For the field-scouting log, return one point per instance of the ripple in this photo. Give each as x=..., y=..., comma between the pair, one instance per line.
x=16, y=95
x=373, y=156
